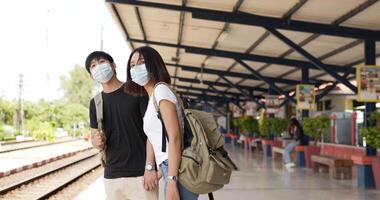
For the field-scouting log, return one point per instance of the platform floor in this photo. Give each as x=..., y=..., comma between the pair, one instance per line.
x=265, y=179
x=28, y=157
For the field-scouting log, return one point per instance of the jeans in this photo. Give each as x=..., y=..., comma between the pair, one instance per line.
x=184, y=194
x=288, y=149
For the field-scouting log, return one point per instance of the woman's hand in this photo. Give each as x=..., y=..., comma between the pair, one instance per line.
x=172, y=192
x=159, y=175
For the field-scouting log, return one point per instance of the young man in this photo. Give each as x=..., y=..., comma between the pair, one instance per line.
x=128, y=172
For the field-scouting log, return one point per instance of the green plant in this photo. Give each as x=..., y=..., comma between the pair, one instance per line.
x=315, y=127
x=41, y=130
x=372, y=136
x=2, y=134
x=374, y=117
x=278, y=125
x=249, y=125
x=264, y=126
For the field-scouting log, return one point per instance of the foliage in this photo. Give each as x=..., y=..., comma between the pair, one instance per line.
x=249, y=125
x=278, y=125
x=77, y=86
x=316, y=126
x=2, y=134
x=7, y=111
x=372, y=136
x=43, y=130
x=264, y=126
x=373, y=118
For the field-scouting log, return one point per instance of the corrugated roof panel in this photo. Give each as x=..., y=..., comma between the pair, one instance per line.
x=191, y=59
x=369, y=19
x=323, y=11
x=239, y=37
x=128, y=16
x=225, y=5
x=268, y=8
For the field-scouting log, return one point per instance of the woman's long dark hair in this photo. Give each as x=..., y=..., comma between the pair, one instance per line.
x=155, y=66
x=295, y=122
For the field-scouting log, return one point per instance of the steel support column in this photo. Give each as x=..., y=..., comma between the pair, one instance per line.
x=370, y=59
x=305, y=80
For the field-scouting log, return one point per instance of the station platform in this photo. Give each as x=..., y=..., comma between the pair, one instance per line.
x=267, y=179
x=16, y=161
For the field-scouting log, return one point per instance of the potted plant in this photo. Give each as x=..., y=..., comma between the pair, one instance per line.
x=372, y=138
x=315, y=127
x=250, y=125
x=374, y=119
x=264, y=132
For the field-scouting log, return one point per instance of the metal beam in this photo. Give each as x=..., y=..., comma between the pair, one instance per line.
x=242, y=91
x=224, y=96
x=179, y=39
x=190, y=80
x=114, y=9
x=269, y=82
x=215, y=98
x=292, y=25
x=328, y=89
x=262, y=21
x=252, y=57
x=205, y=100
x=337, y=22
x=233, y=74
x=138, y=16
x=266, y=59
x=208, y=90
x=312, y=59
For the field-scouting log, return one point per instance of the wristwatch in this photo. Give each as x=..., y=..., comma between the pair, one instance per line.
x=149, y=167
x=173, y=178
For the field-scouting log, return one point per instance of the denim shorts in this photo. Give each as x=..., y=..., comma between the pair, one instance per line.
x=183, y=192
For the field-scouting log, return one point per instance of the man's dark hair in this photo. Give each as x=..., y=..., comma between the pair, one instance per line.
x=97, y=55
x=155, y=66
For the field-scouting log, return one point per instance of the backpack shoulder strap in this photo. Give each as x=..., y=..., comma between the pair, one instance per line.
x=99, y=110
x=157, y=108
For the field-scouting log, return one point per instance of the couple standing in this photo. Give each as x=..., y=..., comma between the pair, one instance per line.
x=132, y=130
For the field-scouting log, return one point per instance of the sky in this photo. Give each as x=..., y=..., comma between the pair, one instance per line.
x=45, y=39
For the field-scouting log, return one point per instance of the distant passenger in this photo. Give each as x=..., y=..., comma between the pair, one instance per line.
x=298, y=138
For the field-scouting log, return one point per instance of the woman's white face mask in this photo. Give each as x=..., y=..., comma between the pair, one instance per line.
x=140, y=75
x=102, y=73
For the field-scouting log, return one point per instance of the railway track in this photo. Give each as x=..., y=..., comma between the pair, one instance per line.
x=16, y=146
x=45, y=184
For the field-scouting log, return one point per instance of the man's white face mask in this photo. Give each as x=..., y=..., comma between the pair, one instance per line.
x=102, y=73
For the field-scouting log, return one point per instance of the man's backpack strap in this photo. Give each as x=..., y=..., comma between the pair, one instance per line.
x=99, y=110
x=157, y=108
x=99, y=118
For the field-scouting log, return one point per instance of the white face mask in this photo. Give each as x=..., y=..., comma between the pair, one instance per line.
x=140, y=75
x=102, y=72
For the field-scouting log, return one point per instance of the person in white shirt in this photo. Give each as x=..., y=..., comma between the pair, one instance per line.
x=145, y=69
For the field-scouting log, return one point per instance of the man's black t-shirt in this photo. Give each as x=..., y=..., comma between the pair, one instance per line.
x=123, y=127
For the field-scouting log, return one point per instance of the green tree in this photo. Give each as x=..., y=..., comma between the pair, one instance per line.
x=315, y=127
x=77, y=86
x=7, y=111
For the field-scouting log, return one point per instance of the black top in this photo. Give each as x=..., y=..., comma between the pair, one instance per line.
x=300, y=136
x=123, y=127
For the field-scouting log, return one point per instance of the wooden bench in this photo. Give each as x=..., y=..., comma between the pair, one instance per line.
x=278, y=152
x=340, y=168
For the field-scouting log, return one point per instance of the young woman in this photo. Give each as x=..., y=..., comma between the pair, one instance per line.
x=145, y=69
x=299, y=138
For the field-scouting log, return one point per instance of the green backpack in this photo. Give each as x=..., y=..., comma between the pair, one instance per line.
x=205, y=165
